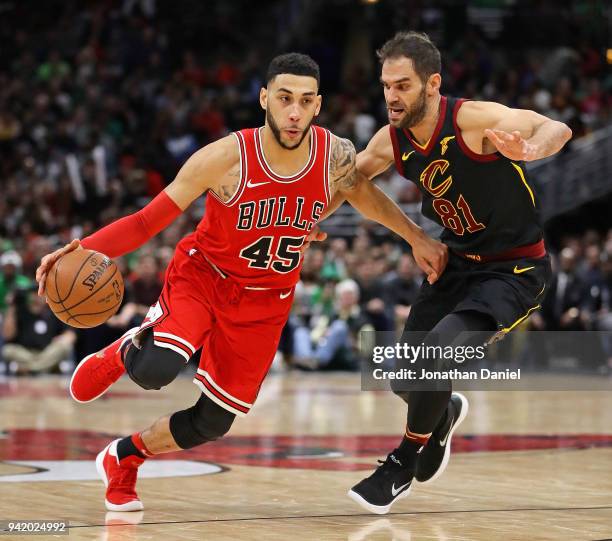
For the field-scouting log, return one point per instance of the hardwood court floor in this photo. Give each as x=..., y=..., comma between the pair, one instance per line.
x=527, y=466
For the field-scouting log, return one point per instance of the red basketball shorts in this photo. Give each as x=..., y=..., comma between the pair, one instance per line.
x=237, y=328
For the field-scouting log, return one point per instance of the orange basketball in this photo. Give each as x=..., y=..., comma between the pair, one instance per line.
x=84, y=288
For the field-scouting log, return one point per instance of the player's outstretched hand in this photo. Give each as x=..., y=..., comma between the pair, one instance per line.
x=512, y=145
x=431, y=256
x=49, y=260
x=315, y=235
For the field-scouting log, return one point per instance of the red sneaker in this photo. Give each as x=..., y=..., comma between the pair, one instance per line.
x=119, y=479
x=98, y=371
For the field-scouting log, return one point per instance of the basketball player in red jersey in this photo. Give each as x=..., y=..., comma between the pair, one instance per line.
x=229, y=287
x=467, y=158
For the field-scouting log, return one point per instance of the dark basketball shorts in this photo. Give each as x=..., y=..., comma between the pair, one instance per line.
x=508, y=291
x=238, y=328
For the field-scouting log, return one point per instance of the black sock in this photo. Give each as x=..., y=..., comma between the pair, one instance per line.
x=407, y=452
x=126, y=448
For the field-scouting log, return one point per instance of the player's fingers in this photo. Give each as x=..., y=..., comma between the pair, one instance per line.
x=529, y=152
x=41, y=285
x=492, y=136
x=72, y=245
x=441, y=263
x=444, y=261
x=43, y=267
x=316, y=235
x=427, y=268
x=504, y=135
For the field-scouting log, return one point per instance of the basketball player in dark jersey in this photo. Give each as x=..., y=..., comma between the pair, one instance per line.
x=229, y=287
x=468, y=160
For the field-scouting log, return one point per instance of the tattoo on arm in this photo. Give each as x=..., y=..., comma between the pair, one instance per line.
x=229, y=187
x=342, y=170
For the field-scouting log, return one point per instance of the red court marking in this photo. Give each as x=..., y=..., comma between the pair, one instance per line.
x=22, y=389
x=295, y=452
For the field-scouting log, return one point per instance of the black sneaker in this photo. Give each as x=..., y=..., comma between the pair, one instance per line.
x=433, y=459
x=390, y=482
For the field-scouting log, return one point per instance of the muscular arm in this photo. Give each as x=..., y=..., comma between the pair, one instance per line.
x=350, y=178
x=215, y=166
x=206, y=169
x=519, y=134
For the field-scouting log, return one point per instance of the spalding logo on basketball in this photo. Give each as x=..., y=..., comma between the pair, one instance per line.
x=84, y=288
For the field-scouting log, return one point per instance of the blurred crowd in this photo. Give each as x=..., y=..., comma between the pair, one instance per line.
x=100, y=104
x=347, y=286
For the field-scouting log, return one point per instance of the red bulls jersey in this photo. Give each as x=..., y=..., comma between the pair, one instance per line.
x=255, y=237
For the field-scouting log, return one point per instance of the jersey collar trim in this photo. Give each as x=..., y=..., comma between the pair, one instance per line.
x=425, y=150
x=261, y=158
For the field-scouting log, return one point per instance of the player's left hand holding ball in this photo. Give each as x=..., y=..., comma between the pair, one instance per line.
x=47, y=262
x=512, y=145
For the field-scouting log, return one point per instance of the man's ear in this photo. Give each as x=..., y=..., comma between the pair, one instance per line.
x=433, y=83
x=319, y=99
x=263, y=98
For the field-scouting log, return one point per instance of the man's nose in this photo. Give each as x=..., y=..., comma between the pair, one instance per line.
x=294, y=113
x=391, y=95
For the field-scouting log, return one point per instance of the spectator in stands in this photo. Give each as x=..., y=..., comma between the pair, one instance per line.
x=595, y=284
x=143, y=289
x=36, y=340
x=603, y=317
x=372, y=294
x=401, y=287
x=10, y=276
x=330, y=341
x=563, y=308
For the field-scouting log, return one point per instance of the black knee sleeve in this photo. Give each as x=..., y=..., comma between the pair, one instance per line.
x=204, y=421
x=152, y=367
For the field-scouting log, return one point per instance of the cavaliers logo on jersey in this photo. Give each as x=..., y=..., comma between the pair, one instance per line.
x=431, y=178
x=444, y=144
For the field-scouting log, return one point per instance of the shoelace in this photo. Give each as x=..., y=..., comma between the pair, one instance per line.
x=385, y=465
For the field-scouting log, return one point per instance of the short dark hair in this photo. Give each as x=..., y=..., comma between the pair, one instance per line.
x=418, y=47
x=294, y=64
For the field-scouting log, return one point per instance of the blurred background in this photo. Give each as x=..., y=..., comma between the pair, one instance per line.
x=102, y=101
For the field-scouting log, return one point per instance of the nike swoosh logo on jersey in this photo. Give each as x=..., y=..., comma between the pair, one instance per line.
x=285, y=295
x=251, y=184
x=396, y=491
x=518, y=271
x=407, y=155
x=443, y=441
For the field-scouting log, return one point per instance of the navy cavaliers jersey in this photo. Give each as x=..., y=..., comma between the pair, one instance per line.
x=485, y=203
x=255, y=236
